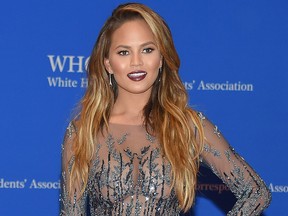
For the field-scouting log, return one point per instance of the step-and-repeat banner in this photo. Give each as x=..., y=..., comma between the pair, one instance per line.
x=234, y=58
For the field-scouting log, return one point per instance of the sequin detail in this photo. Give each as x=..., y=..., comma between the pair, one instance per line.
x=216, y=131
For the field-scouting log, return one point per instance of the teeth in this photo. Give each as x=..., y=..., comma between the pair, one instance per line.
x=137, y=74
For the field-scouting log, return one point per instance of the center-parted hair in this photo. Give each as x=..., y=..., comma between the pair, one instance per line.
x=166, y=114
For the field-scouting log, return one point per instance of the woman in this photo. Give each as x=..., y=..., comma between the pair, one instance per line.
x=135, y=147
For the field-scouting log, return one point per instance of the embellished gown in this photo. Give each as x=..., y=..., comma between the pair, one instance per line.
x=129, y=176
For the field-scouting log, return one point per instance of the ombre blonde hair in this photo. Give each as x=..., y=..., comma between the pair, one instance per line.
x=167, y=112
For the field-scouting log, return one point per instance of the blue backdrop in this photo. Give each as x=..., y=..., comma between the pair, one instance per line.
x=234, y=58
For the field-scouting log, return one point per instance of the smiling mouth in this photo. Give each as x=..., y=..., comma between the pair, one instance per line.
x=137, y=75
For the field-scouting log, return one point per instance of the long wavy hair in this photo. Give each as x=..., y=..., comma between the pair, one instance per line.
x=166, y=113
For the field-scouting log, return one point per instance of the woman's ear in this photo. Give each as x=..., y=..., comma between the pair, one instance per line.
x=107, y=65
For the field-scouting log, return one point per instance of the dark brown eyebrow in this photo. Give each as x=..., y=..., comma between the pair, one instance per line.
x=142, y=45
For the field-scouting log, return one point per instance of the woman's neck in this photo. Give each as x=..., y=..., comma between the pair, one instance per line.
x=128, y=109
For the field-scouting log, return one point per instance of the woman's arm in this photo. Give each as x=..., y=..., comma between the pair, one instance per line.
x=70, y=204
x=250, y=190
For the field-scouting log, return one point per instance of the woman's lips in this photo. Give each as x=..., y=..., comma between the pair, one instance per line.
x=137, y=75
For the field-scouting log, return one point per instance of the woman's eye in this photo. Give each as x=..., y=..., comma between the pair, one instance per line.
x=123, y=52
x=148, y=50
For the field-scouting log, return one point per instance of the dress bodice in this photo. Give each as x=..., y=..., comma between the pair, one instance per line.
x=128, y=175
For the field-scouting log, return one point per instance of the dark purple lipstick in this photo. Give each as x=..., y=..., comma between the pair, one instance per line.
x=137, y=75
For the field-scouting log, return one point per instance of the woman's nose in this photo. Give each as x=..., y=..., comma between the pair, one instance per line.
x=136, y=60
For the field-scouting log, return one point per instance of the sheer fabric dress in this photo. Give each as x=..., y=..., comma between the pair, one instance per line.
x=129, y=176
